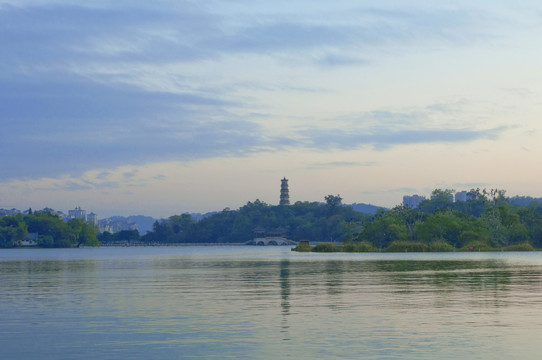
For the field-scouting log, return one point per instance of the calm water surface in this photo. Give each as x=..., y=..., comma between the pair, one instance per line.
x=267, y=303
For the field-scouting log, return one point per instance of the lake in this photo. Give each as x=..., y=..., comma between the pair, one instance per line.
x=244, y=302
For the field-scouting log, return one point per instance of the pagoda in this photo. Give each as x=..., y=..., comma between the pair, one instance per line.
x=284, y=195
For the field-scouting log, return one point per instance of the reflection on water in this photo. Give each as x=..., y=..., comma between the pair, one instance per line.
x=284, y=295
x=268, y=303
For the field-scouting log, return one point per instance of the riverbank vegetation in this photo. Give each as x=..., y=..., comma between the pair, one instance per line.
x=487, y=221
x=406, y=246
x=50, y=231
x=327, y=222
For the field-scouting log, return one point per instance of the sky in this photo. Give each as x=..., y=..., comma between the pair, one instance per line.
x=165, y=107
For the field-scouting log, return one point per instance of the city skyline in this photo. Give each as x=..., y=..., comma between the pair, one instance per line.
x=162, y=108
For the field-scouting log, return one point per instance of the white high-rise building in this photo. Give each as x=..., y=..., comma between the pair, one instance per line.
x=93, y=218
x=412, y=201
x=461, y=196
x=77, y=213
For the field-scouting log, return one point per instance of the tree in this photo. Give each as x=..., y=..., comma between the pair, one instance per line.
x=475, y=206
x=442, y=193
x=46, y=224
x=441, y=226
x=182, y=227
x=440, y=203
x=127, y=235
x=532, y=219
x=476, y=194
x=161, y=232
x=46, y=241
x=410, y=217
x=106, y=237
x=13, y=229
x=386, y=227
x=333, y=200
x=88, y=235
x=474, y=231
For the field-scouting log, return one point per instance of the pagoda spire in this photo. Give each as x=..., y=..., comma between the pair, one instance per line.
x=284, y=193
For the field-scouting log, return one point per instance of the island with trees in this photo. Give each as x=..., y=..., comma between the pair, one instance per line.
x=488, y=221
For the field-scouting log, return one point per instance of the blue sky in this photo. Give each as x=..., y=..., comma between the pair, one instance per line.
x=137, y=107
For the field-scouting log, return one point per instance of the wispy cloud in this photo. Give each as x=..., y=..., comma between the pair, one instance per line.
x=56, y=34
x=82, y=184
x=103, y=127
x=103, y=84
x=384, y=129
x=73, y=186
x=519, y=92
x=451, y=108
x=335, y=164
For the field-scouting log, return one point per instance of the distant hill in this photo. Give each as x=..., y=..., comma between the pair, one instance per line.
x=366, y=208
x=144, y=223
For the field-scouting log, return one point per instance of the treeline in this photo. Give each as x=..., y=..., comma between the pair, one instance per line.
x=488, y=220
x=303, y=220
x=52, y=231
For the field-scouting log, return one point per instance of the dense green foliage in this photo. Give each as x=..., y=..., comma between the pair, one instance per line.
x=124, y=236
x=486, y=221
x=13, y=229
x=301, y=221
x=52, y=231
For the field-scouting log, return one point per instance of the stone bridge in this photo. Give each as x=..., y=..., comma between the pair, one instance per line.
x=265, y=241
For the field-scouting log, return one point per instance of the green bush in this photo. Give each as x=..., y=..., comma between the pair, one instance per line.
x=440, y=246
x=363, y=246
x=477, y=246
x=326, y=247
x=302, y=246
x=349, y=246
x=46, y=241
x=520, y=247
x=406, y=246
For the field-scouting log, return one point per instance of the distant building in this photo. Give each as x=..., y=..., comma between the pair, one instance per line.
x=31, y=239
x=104, y=226
x=462, y=196
x=77, y=213
x=8, y=212
x=116, y=225
x=412, y=201
x=93, y=218
x=284, y=192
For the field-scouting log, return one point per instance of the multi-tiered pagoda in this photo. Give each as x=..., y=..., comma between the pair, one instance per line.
x=284, y=195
